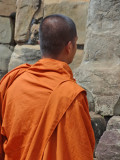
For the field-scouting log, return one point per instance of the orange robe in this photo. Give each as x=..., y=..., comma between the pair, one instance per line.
x=44, y=114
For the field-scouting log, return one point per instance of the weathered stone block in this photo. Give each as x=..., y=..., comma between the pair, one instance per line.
x=6, y=30
x=5, y=54
x=59, y=1
x=24, y=54
x=40, y=12
x=99, y=71
x=7, y=7
x=114, y=123
x=75, y=9
x=109, y=144
x=24, y=14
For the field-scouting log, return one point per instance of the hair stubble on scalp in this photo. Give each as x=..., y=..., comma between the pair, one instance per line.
x=55, y=32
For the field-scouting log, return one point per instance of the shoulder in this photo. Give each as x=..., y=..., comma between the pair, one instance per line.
x=8, y=79
x=13, y=72
x=71, y=86
x=67, y=91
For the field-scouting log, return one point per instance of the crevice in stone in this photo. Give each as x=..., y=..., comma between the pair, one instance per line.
x=80, y=46
x=12, y=17
x=107, y=118
x=34, y=40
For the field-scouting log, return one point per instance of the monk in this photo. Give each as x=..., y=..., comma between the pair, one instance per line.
x=44, y=113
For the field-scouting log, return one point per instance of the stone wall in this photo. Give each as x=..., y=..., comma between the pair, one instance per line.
x=99, y=71
x=19, y=25
x=7, y=25
x=100, y=68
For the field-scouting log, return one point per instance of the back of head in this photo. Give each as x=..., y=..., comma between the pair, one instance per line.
x=55, y=32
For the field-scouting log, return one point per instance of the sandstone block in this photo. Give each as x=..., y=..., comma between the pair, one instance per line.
x=5, y=54
x=40, y=12
x=99, y=71
x=6, y=30
x=24, y=14
x=24, y=54
x=75, y=9
x=7, y=7
x=59, y=1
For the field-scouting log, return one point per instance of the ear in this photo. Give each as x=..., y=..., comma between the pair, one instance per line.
x=69, y=47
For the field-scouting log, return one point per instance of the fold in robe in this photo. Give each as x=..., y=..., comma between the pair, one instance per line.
x=44, y=114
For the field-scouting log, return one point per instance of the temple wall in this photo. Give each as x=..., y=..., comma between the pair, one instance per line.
x=96, y=65
x=19, y=25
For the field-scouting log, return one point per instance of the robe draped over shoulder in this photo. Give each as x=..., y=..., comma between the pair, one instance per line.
x=44, y=114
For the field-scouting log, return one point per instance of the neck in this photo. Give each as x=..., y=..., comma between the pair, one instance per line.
x=60, y=57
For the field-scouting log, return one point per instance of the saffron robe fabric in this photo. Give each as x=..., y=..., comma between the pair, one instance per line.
x=44, y=114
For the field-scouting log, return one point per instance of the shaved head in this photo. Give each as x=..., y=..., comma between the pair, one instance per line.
x=55, y=32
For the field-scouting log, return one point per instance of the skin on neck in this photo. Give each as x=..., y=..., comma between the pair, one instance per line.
x=61, y=56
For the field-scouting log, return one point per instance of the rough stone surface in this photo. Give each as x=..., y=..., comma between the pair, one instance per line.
x=5, y=54
x=91, y=102
x=114, y=123
x=109, y=144
x=6, y=30
x=25, y=13
x=75, y=9
x=24, y=54
x=7, y=7
x=40, y=12
x=99, y=71
x=59, y=1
